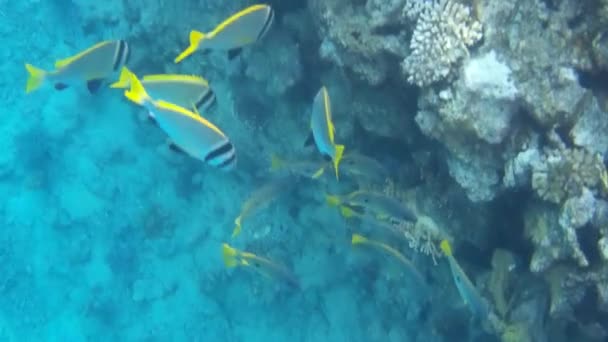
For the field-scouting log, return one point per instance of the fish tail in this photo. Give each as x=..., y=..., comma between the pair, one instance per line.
x=124, y=80
x=346, y=211
x=275, y=162
x=319, y=173
x=35, y=78
x=332, y=200
x=338, y=157
x=237, y=227
x=229, y=254
x=446, y=248
x=136, y=93
x=358, y=239
x=195, y=39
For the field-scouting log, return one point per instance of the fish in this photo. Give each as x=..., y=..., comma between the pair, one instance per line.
x=260, y=198
x=362, y=167
x=306, y=168
x=243, y=28
x=188, y=131
x=233, y=258
x=323, y=130
x=186, y=91
x=381, y=206
x=469, y=294
x=358, y=240
x=91, y=67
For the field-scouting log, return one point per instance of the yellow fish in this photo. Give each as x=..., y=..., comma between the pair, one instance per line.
x=377, y=204
x=240, y=29
x=466, y=289
x=188, y=91
x=358, y=240
x=323, y=130
x=90, y=67
x=234, y=257
x=187, y=130
x=260, y=198
x=306, y=168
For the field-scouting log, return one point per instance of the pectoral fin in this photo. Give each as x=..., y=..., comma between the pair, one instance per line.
x=233, y=53
x=94, y=85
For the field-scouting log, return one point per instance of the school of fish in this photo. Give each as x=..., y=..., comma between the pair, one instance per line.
x=177, y=104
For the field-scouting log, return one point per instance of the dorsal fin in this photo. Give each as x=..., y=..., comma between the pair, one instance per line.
x=63, y=62
x=176, y=78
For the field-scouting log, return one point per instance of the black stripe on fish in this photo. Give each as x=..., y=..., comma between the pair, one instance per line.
x=220, y=150
x=202, y=102
x=267, y=24
x=126, y=55
x=119, y=54
x=228, y=162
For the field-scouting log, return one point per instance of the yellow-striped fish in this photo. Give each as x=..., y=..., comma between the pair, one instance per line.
x=240, y=29
x=260, y=198
x=186, y=91
x=358, y=240
x=466, y=289
x=90, y=67
x=190, y=132
x=305, y=168
x=379, y=205
x=323, y=130
x=234, y=257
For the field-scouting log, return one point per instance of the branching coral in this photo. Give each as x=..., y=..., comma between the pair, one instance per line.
x=563, y=173
x=444, y=31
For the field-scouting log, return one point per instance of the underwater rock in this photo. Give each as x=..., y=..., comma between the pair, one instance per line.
x=593, y=120
x=563, y=173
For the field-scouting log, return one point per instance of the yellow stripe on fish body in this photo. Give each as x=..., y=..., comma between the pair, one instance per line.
x=240, y=29
x=323, y=129
x=186, y=91
x=90, y=66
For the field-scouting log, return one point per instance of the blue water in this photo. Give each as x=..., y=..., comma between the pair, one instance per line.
x=108, y=234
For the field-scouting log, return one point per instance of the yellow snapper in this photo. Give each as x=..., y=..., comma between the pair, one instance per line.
x=466, y=289
x=323, y=130
x=305, y=168
x=381, y=206
x=186, y=91
x=358, y=240
x=91, y=66
x=190, y=132
x=268, y=268
x=260, y=198
x=362, y=167
x=240, y=29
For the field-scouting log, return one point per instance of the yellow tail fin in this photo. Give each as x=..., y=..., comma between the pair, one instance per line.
x=446, y=248
x=229, y=255
x=319, y=173
x=347, y=212
x=124, y=80
x=237, y=228
x=195, y=40
x=34, y=79
x=338, y=157
x=332, y=200
x=358, y=239
x=275, y=162
x=137, y=93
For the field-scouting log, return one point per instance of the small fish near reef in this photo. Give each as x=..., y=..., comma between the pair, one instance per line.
x=469, y=294
x=360, y=240
x=379, y=205
x=306, y=168
x=91, y=67
x=241, y=29
x=188, y=131
x=188, y=91
x=363, y=168
x=266, y=267
x=260, y=198
x=323, y=130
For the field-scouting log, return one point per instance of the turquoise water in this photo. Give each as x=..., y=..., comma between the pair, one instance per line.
x=107, y=233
